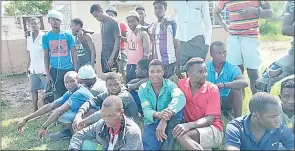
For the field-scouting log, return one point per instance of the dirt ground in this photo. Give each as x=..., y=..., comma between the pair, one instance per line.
x=15, y=89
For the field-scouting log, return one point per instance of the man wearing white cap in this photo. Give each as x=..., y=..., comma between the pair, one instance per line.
x=88, y=78
x=60, y=54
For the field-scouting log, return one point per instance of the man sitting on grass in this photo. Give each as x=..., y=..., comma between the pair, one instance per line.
x=114, y=131
x=162, y=102
x=203, y=127
x=262, y=129
x=115, y=86
x=142, y=76
x=88, y=78
x=228, y=78
x=65, y=108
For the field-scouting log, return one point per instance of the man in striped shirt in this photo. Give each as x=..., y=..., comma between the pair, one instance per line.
x=243, y=42
x=164, y=45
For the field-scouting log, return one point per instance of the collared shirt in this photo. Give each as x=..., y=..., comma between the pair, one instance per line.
x=170, y=97
x=36, y=53
x=75, y=99
x=163, y=42
x=238, y=25
x=193, y=19
x=228, y=73
x=238, y=134
x=205, y=102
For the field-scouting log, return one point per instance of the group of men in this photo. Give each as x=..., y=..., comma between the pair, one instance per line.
x=107, y=113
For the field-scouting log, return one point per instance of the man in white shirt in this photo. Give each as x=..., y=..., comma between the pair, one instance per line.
x=36, y=68
x=194, y=28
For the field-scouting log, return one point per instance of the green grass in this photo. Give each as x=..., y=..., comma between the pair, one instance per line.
x=275, y=38
x=11, y=140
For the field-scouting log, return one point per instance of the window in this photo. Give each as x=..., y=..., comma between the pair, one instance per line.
x=224, y=14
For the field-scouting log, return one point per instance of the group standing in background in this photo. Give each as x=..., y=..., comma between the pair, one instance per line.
x=139, y=107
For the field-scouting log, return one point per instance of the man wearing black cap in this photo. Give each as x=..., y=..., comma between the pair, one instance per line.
x=110, y=33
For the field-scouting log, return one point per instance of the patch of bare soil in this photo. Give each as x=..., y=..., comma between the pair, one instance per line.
x=15, y=89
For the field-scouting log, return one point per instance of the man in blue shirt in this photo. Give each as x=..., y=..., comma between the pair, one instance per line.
x=262, y=129
x=65, y=108
x=60, y=54
x=227, y=77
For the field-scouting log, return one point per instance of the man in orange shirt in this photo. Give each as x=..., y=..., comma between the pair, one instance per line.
x=203, y=127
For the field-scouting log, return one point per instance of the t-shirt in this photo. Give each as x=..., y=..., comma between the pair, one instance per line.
x=239, y=134
x=228, y=74
x=163, y=42
x=123, y=28
x=205, y=102
x=59, y=46
x=238, y=25
x=289, y=10
x=75, y=99
x=36, y=53
x=135, y=48
x=98, y=87
x=83, y=52
x=286, y=120
x=110, y=30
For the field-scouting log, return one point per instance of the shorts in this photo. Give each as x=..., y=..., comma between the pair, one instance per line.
x=67, y=117
x=37, y=82
x=169, y=70
x=131, y=74
x=57, y=76
x=210, y=137
x=105, y=67
x=122, y=61
x=286, y=63
x=243, y=51
x=195, y=47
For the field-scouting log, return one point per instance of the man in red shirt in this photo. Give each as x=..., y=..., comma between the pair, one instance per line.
x=123, y=54
x=203, y=127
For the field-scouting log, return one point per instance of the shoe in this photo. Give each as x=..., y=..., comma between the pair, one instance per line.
x=63, y=134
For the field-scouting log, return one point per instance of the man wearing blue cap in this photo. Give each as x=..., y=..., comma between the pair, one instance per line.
x=60, y=54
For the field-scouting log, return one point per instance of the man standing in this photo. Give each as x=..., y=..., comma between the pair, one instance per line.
x=243, y=42
x=203, y=127
x=284, y=66
x=262, y=129
x=85, y=46
x=122, y=64
x=114, y=131
x=162, y=103
x=194, y=28
x=138, y=45
x=36, y=67
x=64, y=108
x=110, y=36
x=60, y=54
x=228, y=78
x=165, y=47
x=141, y=12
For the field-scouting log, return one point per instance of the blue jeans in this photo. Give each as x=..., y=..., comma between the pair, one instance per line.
x=131, y=74
x=135, y=96
x=149, y=139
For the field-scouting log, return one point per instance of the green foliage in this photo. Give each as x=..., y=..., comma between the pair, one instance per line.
x=270, y=27
x=14, y=8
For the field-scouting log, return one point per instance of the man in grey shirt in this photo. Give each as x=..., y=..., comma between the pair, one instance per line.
x=110, y=33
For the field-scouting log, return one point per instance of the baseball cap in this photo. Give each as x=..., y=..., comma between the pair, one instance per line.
x=132, y=13
x=112, y=9
x=86, y=72
x=55, y=14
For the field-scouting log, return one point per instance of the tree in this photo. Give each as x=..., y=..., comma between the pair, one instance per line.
x=14, y=8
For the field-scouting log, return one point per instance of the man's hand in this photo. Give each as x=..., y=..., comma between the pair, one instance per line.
x=20, y=125
x=225, y=26
x=111, y=62
x=249, y=11
x=220, y=85
x=48, y=79
x=167, y=114
x=180, y=129
x=43, y=132
x=162, y=116
x=77, y=123
x=160, y=131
